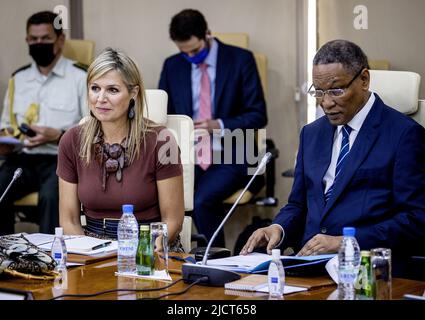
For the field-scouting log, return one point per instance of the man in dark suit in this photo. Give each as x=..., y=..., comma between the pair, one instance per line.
x=219, y=87
x=360, y=165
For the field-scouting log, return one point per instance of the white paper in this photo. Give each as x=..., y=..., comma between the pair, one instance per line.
x=74, y=264
x=113, y=247
x=84, y=245
x=78, y=244
x=158, y=275
x=250, y=260
x=246, y=263
x=332, y=268
x=286, y=290
x=44, y=239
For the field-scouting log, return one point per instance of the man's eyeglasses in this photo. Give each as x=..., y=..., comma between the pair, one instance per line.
x=335, y=92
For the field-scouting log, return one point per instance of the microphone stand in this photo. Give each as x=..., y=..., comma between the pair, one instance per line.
x=215, y=276
x=16, y=175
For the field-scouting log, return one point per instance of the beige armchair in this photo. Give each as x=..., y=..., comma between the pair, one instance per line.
x=182, y=128
x=78, y=50
x=400, y=90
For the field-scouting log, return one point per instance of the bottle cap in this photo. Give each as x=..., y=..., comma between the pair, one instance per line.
x=276, y=253
x=349, y=231
x=127, y=208
x=144, y=227
x=58, y=231
x=365, y=253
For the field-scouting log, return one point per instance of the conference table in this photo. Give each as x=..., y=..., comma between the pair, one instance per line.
x=100, y=276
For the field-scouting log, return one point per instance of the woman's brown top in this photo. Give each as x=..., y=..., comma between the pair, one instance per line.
x=159, y=159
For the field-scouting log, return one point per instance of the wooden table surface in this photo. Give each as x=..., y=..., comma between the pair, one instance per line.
x=100, y=276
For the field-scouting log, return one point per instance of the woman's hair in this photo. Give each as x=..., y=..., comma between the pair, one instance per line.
x=115, y=60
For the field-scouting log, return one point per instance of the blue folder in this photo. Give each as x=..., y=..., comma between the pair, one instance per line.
x=298, y=267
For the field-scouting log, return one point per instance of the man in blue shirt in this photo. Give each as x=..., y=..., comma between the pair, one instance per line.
x=219, y=87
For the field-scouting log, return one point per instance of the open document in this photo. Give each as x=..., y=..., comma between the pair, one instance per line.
x=78, y=244
x=259, y=263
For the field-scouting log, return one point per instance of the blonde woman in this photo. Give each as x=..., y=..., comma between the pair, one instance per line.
x=116, y=158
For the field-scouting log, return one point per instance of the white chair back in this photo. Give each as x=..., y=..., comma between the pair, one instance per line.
x=155, y=108
x=182, y=128
x=400, y=90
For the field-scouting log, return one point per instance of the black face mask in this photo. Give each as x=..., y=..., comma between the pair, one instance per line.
x=42, y=53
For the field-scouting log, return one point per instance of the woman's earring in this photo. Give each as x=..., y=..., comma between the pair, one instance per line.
x=131, y=112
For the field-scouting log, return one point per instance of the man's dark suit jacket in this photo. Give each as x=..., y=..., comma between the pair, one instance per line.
x=239, y=103
x=381, y=190
x=239, y=98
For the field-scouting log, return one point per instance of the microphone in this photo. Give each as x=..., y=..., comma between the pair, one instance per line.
x=16, y=175
x=214, y=276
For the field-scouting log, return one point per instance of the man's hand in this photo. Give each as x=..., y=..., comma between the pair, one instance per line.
x=44, y=135
x=320, y=244
x=269, y=236
x=208, y=125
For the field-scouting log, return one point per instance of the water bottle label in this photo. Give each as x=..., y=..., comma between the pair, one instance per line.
x=274, y=280
x=57, y=256
x=348, y=275
x=127, y=247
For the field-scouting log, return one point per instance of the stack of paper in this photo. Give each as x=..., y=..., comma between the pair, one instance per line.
x=259, y=262
x=259, y=283
x=252, y=282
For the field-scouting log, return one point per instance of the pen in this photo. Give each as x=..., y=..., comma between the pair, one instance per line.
x=105, y=244
x=187, y=259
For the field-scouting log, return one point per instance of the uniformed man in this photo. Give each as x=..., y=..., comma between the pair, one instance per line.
x=49, y=95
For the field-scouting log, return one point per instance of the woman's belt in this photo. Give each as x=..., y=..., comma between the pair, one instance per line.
x=107, y=227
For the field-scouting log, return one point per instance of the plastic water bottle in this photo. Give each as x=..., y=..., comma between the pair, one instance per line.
x=276, y=275
x=348, y=264
x=58, y=251
x=128, y=238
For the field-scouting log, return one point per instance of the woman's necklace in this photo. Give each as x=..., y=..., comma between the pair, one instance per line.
x=112, y=158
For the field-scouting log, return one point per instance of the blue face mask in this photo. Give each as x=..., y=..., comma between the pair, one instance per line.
x=197, y=58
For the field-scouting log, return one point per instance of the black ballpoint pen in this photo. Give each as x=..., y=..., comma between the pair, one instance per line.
x=105, y=244
x=187, y=259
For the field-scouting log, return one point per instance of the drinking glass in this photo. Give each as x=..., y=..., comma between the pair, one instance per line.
x=159, y=238
x=381, y=273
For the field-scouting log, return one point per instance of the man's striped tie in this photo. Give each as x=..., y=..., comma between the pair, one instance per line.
x=343, y=153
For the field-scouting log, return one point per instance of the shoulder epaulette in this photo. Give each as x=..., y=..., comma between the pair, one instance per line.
x=81, y=66
x=21, y=69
